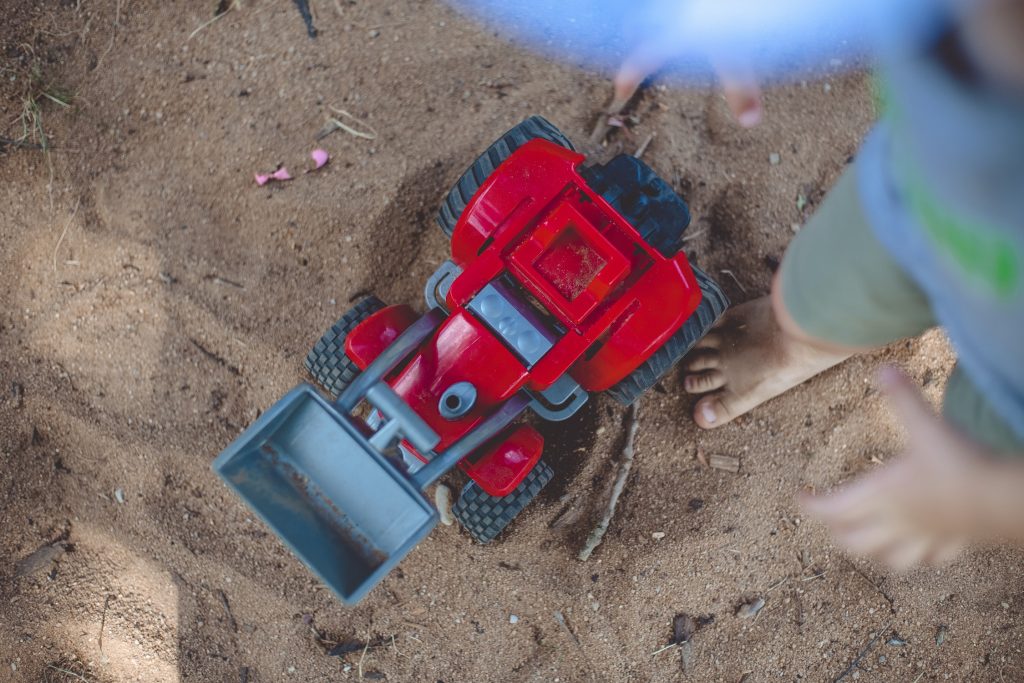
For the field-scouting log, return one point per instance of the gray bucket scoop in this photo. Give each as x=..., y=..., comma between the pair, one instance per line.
x=326, y=484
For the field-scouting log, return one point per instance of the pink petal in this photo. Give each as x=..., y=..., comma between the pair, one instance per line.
x=262, y=179
x=281, y=174
x=320, y=157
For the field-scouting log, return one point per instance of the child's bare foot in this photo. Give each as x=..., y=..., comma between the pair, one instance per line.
x=746, y=360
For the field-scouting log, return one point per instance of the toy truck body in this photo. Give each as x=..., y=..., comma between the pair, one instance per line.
x=563, y=281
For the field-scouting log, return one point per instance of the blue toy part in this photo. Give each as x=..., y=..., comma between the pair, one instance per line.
x=343, y=508
x=336, y=491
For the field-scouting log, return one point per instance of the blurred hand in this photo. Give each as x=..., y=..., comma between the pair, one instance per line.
x=921, y=508
x=739, y=85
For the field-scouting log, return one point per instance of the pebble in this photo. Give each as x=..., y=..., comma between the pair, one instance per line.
x=774, y=158
x=119, y=496
x=658, y=535
x=443, y=503
x=795, y=227
x=750, y=609
x=513, y=619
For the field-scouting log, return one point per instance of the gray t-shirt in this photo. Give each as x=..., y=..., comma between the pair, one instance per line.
x=942, y=181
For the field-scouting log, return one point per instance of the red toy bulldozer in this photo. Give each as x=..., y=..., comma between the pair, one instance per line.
x=564, y=280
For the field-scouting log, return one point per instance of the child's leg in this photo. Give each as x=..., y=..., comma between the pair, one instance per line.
x=837, y=292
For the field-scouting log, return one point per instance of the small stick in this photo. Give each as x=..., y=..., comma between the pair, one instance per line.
x=216, y=17
x=735, y=279
x=19, y=143
x=68, y=672
x=725, y=462
x=877, y=587
x=856, y=662
x=362, y=657
x=67, y=226
x=668, y=647
x=218, y=280
x=560, y=618
x=594, y=540
x=694, y=235
x=643, y=146
x=307, y=17
x=103, y=621
x=222, y=596
x=113, y=34
x=334, y=124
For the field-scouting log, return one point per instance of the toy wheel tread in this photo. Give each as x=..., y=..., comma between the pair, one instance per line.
x=327, y=361
x=485, y=516
x=535, y=127
x=644, y=199
x=711, y=308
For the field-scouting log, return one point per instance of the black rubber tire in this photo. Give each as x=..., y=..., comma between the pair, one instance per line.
x=535, y=127
x=485, y=516
x=654, y=369
x=650, y=204
x=327, y=362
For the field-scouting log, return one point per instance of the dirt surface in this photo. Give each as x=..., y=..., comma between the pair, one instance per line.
x=153, y=301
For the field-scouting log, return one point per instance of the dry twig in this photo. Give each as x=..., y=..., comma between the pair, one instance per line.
x=726, y=271
x=856, y=661
x=643, y=146
x=334, y=124
x=216, y=17
x=362, y=657
x=594, y=540
x=60, y=241
x=68, y=672
x=103, y=620
x=877, y=587
x=727, y=463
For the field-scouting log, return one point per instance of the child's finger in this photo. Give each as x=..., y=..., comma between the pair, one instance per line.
x=639, y=65
x=909, y=552
x=849, y=504
x=744, y=101
x=944, y=551
x=871, y=539
x=905, y=397
x=742, y=92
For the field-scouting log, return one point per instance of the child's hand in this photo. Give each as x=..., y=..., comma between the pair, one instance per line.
x=921, y=509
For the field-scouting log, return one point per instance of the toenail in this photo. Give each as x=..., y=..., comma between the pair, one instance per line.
x=709, y=413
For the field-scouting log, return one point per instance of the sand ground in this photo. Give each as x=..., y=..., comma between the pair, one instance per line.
x=153, y=300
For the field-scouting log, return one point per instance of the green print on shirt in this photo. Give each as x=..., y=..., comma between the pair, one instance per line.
x=977, y=249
